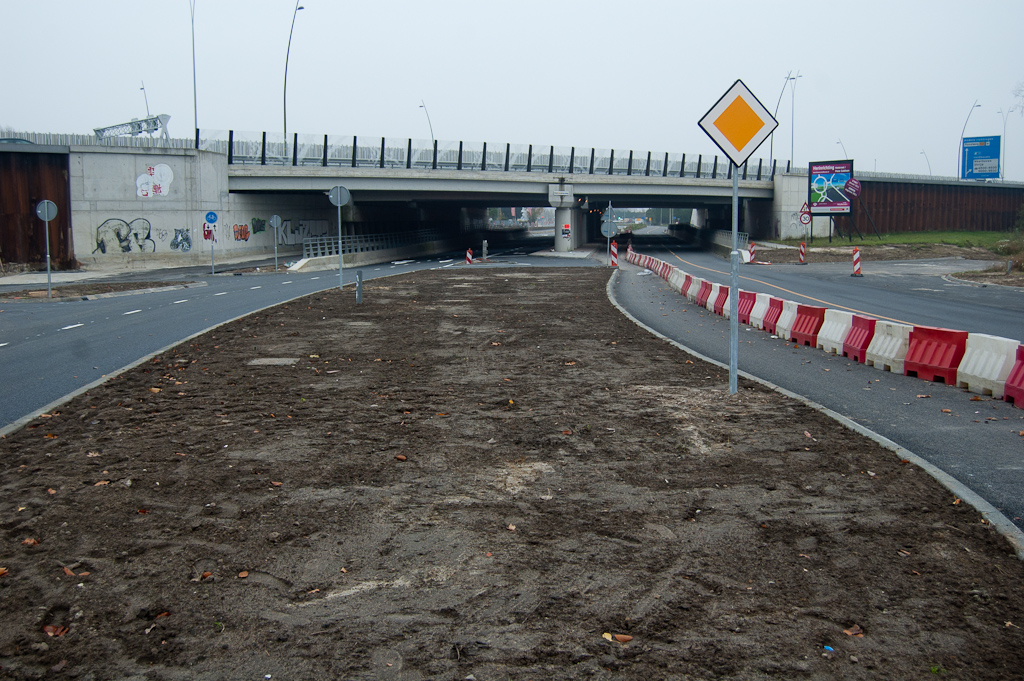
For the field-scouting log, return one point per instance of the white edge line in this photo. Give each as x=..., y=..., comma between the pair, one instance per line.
x=70, y=326
x=3, y=344
x=178, y=302
x=130, y=312
x=1014, y=535
x=222, y=293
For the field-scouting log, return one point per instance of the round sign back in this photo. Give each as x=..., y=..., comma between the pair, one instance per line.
x=46, y=210
x=339, y=196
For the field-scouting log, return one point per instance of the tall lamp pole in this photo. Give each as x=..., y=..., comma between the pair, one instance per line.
x=195, y=99
x=771, y=143
x=840, y=143
x=960, y=150
x=286, y=56
x=792, y=117
x=423, y=105
x=1002, y=142
x=927, y=161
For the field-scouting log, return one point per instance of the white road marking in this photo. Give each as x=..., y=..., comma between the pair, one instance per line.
x=253, y=288
x=286, y=282
x=131, y=312
x=448, y=260
x=222, y=293
x=3, y=344
x=72, y=326
x=312, y=278
x=178, y=302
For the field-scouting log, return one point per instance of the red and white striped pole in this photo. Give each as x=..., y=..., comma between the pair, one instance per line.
x=856, y=263
x=753, y=251
x=615, y=254
x=803, y=253
x=469, y=256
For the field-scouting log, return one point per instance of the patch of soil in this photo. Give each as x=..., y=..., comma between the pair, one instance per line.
x=479, y=473
x=91, y=289
x=995, y=276
x=837, y=252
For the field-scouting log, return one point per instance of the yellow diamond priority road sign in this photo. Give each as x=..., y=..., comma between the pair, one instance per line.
x=738, y=123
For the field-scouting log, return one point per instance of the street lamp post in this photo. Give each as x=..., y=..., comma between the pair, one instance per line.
x=1002, y=142
x=195, y=100
x=840, y=143
x=792, y=117
x=927, y=161
x=423, y=105
x=771, y=144
x=287, y=54
x=960, y=150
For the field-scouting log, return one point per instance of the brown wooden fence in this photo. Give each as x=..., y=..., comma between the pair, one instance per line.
x=26, y=178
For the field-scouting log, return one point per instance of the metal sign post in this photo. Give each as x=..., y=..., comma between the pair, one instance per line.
x=275, y=222
x=211, y=219
x=340, y=196
x=607, y=227
x=738, y=123
x=46, y=210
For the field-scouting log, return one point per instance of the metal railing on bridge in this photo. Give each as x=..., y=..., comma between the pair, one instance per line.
x=322, y=246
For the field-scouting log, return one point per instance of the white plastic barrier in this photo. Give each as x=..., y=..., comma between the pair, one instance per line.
x=676, y=280
x=760, y=309
x=726, y=312
x=888, y=346
x=784, y=329
x=713, y=296
x=834, y=330
x=691, y=293
x=986, y=364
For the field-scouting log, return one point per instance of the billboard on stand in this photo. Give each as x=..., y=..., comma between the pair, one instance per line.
x=827, y=193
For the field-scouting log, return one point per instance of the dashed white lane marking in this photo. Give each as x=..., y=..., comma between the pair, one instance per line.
x=448, y=260
x=130, y=312
x=71, y=326
x=222, y=293
x=285, y=282
x=179, y=302
x=253, y=288
x=3, y=344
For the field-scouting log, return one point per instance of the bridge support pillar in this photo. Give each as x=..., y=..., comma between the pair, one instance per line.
x=568, y=222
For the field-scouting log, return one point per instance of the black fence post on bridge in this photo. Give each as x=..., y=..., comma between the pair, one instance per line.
x=458, y=165
x=611, y=161
x=788, y=163
x=408, y=155
x=714, y=169
x=295, y=150
x=508, y=149
x=263, y=150
x=745, y=169
x=760, y=162
x=592, y=152
x=700, y=157
x=197, y=138
x=382, y=152
x=483, y=163
x=682, y=167
x=551, y=159
x=433, y=165
x=324, y=162
x=647, y=170
x=231, y=147
x=355, y=147
x=664, y=171
x=728, y=173
x=629, y=166
x=529, y=159
x=572, y=160
x=774, y=164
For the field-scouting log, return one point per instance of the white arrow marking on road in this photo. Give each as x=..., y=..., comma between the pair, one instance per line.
x=72, y=326
x=222, y=293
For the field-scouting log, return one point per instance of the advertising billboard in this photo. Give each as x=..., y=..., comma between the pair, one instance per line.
x=826, y=187
x=979, y=158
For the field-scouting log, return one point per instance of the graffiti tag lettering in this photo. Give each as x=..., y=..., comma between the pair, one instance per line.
x=241, y=232
x=182, y=241
x=258, y=225
x=134, y=236
x=155, y=181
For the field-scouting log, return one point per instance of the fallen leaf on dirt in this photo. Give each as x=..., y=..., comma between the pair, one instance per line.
x=495, y=343
x=92, y=455
x=276, y=484
x=143, y=511
x=243, y=574
x=569, y=364
x=606, y=636
x=903, y=552
x=155, y=390
x=344, y=570
x=84, y=574
x=803, y=555
x=163, y=614
x=50, y=436
x=69, y=573
x=947, y=411
x=4, y=571
x=30, y=542
x=806, y=434
x=622, y=638
x=924, y=396
x=314, y=591
x=872, y=473
x=400, y=457
x=566, y=432
x=488, y=555
x=975, y=399
x=855, y=631
x=54, y=630
x=957, y=502
x=205, y=575
x=1010, y=624
x=101, y=483
x=442, y=414
x=512, y=528
x=51, y=491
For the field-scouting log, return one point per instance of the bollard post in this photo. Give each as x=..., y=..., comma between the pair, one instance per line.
x=359, y=287
x=753, y=252
x=856, y=263
x=803, y=253
x=485, y=251
x=469, y=256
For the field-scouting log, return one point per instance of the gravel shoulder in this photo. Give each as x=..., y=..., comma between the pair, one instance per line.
x=478, y=472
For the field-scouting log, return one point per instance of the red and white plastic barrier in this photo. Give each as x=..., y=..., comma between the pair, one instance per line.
x=615, y=254
x=784, y=327
x=760, y=309
x=771, y=317
x=834, y=330
x=746, y=305
x=1013, y=390
x=856, y=263
x=986, y=364
x=858, y=340
x=809, y=319
x=889, y=346
x=721, y=306
x=469, y=256
x=935, y=353
x=803, y=253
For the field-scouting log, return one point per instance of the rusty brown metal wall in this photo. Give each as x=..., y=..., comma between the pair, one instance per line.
x=912, y=207
x=25, y=180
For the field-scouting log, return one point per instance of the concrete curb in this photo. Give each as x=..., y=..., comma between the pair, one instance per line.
x=98, y=296
x=1000, y=522
x=953, y=280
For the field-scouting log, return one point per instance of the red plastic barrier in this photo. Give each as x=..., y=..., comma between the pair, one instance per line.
x=703, y=293
x=935, y=353
x=771, y=317
x=857, y=340
x=665, y=270
x=686, y=283
x=723, y=296
x=747, y=300
x=1014, y=390
x=809, y=319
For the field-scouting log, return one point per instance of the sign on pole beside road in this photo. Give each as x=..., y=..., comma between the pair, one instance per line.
x=738, y=123
x=827, y=187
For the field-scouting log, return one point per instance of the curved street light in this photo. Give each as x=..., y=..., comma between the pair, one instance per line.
x=771, y=144
x=1002, y=141
x=286, y=56
x=927, y=161
x=840, y=143
x=195, y=100
x=960, y=151
x=423, y=105
x=792, y=117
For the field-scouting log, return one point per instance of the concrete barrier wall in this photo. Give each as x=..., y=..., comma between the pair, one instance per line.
x=833, y=332
x=889, y=346
x=986, y=364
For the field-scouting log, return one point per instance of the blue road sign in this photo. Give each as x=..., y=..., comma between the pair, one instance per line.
x=211, y=217
x=980, y=158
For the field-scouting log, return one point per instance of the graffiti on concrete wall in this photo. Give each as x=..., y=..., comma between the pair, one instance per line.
x=303, y=229
x=156, y=181
x=130, y=237
x=241, y=232
x=182, y=241
x=258, y=225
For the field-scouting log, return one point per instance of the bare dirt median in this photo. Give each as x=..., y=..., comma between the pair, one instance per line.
x=479, y=472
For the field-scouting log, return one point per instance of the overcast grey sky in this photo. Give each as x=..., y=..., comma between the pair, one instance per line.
x=891, y=79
